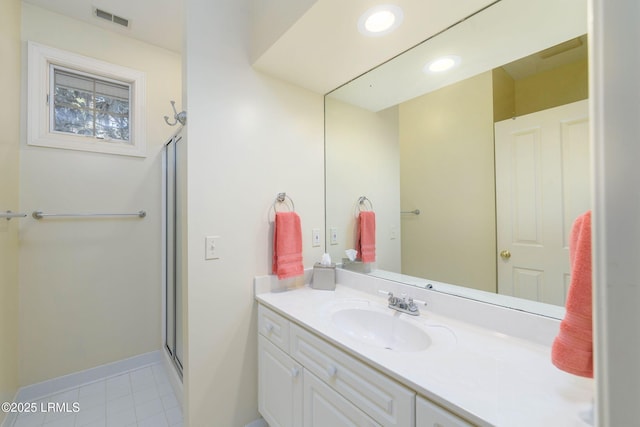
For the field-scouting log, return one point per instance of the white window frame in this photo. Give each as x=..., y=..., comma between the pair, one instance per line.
x=40, y=58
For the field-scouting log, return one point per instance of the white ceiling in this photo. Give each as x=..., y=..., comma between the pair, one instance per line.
x=157, y=22
x=319, y=48
x=311, y=43
x=503, y=33
x=324, y=48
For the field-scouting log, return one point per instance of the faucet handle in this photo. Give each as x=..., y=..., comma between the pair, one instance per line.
x=392, y=300
x=411, y=306
x=419, y=301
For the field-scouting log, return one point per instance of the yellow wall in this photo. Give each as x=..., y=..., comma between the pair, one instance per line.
x=560, y=86
x=9, y=161
x=504, y=97
x=90, y=291
x=447, y=171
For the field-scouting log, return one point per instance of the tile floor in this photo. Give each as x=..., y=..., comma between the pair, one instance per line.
x=139, y=398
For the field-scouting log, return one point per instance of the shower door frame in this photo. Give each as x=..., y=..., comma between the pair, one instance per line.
x=170, y=250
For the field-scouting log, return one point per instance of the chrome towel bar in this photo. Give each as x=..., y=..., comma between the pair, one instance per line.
x=8, y=215
x=40, y=214
x=415, y=212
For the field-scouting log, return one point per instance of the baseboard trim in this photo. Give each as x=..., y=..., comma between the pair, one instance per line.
x=260, y=422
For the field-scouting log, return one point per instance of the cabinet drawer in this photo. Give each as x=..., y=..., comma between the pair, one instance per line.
x=274, y=327
x=428, y=414
x=383, y=399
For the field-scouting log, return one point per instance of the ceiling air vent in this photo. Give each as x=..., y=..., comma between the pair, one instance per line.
x=112, y=18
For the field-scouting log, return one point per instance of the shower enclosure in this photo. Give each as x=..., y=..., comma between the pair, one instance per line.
x=173, y=197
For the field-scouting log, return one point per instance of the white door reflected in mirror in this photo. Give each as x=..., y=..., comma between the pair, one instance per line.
x=542, y=185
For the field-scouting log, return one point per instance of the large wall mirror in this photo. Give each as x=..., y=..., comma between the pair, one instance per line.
x=477, y=173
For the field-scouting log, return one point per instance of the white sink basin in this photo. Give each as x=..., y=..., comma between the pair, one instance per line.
x=381, y=329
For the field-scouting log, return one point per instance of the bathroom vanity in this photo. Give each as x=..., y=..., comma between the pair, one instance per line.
x=343, y=358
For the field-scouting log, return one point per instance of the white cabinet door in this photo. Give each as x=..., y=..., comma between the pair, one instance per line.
x=324, y=407
x=279, y=386
x=429, y=414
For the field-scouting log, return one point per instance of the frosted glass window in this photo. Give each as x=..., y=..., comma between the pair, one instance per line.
x=88, y=105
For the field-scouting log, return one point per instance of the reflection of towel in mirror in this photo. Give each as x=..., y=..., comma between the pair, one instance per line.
x=287, y=245
x=366, y=241
x=572, y=350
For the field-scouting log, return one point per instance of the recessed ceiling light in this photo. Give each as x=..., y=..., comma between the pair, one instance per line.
x=442, y=64
x=380, y=20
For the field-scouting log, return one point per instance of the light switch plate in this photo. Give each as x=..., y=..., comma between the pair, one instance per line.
x=315, y=237
x=211, y=250
x=333, y=235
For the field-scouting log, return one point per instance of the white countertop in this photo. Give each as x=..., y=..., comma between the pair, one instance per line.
x=488, y=377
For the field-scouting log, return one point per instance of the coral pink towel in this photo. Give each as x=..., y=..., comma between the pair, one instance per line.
x=366, y=242
x=287, y=245
x=572, y=350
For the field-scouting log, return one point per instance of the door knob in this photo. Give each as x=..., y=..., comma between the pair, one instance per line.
x=505, y=254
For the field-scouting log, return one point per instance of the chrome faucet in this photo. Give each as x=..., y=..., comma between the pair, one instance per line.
x=404, y=305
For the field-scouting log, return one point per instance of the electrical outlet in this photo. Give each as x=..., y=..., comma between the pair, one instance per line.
x=393, y=233
x=333, y=235
x=315, y=237
x=211, y=250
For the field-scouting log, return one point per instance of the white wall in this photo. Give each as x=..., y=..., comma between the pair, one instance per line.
x=364, y=160
x=249, y=137
x=615, y=91
x=90, y=290
x=9, y=179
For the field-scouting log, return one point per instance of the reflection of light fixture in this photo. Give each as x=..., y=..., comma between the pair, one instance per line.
x=442, y=64
x=380, y=20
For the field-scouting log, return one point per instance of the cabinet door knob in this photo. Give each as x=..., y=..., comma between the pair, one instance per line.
x=505, y=254
x=332, y=371
x=295, y=372
x=269, y=328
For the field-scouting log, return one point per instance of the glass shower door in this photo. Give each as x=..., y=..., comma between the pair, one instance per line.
x=174, y=180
